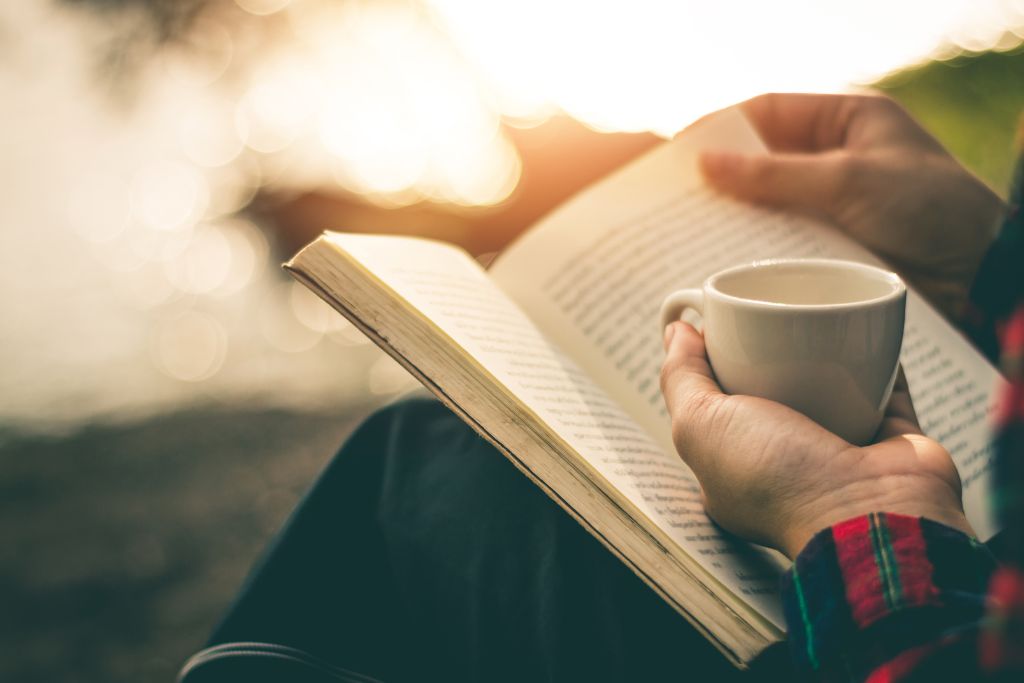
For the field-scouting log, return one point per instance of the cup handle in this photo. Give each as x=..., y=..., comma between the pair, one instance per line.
x=676, y=303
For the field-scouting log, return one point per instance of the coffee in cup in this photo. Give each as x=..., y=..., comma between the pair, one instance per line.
x=821, y=336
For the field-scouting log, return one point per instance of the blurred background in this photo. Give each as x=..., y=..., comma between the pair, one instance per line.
x=166, y=393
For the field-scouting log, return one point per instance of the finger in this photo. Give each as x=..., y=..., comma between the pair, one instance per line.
x=900, y=416
x=806, y=183
x=690, y=390
x=685, y=373
x=792, y=122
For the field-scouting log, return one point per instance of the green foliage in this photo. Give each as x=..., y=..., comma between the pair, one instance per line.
x=973, y=104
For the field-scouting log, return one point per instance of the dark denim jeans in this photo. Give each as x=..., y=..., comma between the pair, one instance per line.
x=422, y=554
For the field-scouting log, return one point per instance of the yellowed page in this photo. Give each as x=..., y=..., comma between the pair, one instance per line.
x=451, y=290
x=593, y=274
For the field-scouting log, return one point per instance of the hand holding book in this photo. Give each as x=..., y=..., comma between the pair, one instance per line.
x=864, y=165
x=553, y=355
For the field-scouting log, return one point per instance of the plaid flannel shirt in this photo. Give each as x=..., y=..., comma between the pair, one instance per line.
x=888, y=597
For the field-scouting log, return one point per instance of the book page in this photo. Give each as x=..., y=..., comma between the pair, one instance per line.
x=593, y=275
x=453, y=292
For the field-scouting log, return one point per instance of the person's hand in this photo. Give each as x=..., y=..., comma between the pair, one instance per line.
x=863, y=164
x=773, y=476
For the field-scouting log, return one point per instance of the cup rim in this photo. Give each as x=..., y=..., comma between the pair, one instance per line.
x=899, y=289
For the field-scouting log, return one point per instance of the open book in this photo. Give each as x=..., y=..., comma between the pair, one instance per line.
x=553, y=355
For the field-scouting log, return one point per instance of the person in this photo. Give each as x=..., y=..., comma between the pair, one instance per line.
x=421, y=554
x=888, y=582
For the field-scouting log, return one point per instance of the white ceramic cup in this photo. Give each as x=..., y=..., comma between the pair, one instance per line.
x=822, y=336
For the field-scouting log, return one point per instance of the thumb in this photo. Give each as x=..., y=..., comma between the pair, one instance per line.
x=690, y=391
x=807, y=183
x=685, y=372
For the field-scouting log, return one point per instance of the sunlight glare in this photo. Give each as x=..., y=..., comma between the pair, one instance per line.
x=204, y=264
x=208, y=134
x=99, y=207
x=167, y=195
x=400, y=108
x=203, y=57
x=191, y=347
x=249, y=254
x=273, y=111
x=279, y=325
x=651, y=65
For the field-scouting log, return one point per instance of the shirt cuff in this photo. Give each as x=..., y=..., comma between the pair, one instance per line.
x=872, y=587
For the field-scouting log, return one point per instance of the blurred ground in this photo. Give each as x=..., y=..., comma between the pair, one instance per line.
x=123, y=544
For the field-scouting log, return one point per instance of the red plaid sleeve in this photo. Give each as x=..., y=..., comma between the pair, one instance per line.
x=889, y=598
x=998, y=311
x=875, y=597
x=1001, y=646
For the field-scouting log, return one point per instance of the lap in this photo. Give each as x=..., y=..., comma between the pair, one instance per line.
x=422, y=553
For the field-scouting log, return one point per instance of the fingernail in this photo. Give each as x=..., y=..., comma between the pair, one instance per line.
x=670, y=331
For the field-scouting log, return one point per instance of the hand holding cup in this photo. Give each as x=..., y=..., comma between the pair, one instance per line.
x=821, y=336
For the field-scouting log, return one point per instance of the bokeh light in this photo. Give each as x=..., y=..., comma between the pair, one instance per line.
x=391, y=102
x=204, y=264
x=311, y=311
x=98, y=207
x=190, y=347
x=261, y=7
x=204, y=55
x=279, y=324
x=346, y=334
x=233, y=187
x=272, y=112
x=249, y=255
x=208, y=134
x=167, y=195
x=159, y=159
x=387, y=377
x=145, y=288
x=652, y=65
